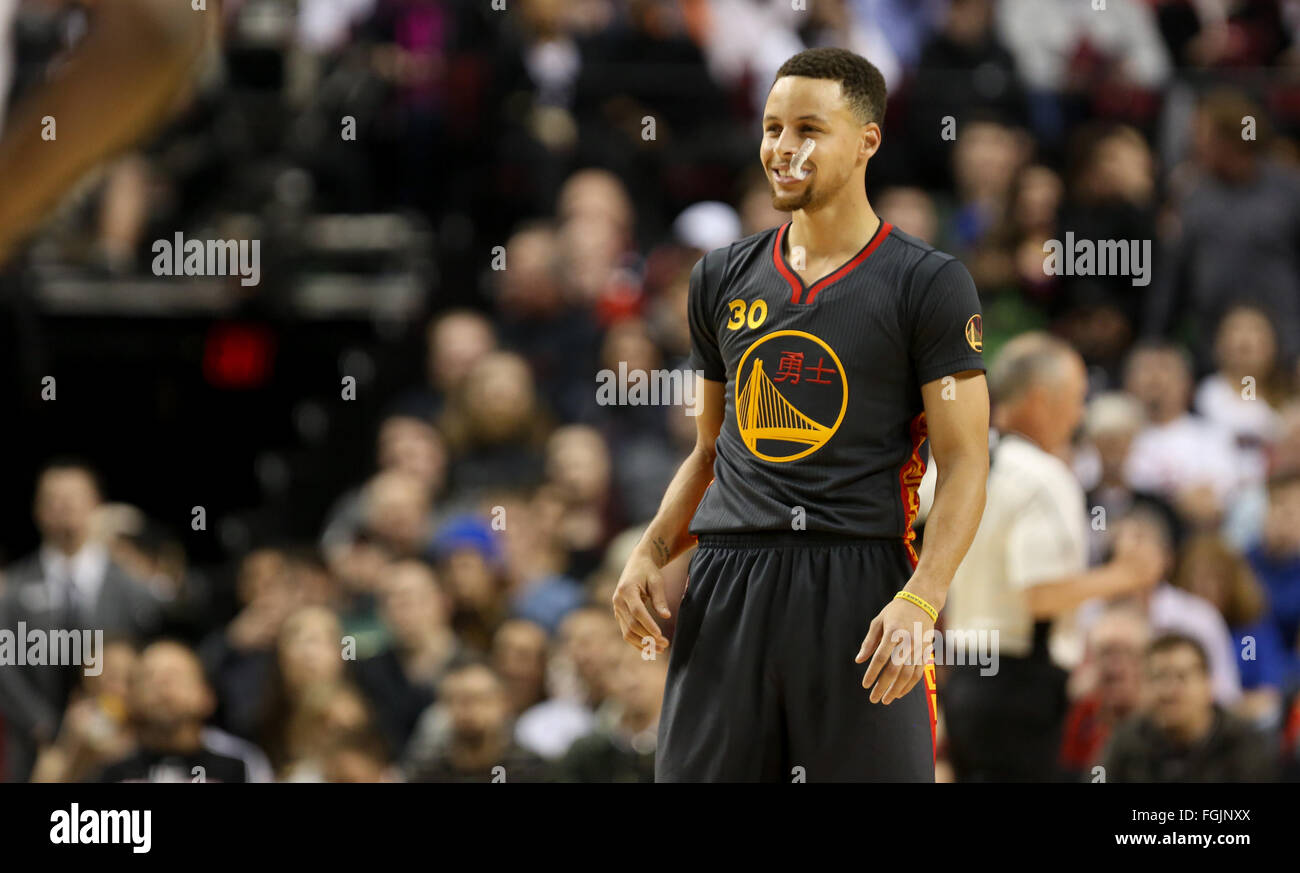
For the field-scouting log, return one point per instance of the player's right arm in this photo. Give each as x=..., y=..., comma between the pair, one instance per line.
x=642, y=586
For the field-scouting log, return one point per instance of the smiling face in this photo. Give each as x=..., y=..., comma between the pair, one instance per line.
x=800, y=108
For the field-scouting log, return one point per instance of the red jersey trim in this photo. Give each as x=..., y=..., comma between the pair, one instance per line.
x=909, y=482
x=796, y=284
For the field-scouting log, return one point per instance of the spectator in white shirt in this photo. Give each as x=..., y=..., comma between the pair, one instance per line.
x=1245, y=521
x=1239, y=396
x=578, y=678
x=1181, y=457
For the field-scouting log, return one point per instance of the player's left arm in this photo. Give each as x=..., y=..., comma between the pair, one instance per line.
x=957, y=416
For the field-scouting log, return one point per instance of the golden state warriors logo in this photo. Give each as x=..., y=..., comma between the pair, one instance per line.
x=975, y=332
x=791, y=395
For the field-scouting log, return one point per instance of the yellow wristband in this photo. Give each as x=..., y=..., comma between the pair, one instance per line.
x=913, y=599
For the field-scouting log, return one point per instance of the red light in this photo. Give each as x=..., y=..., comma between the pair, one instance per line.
x=238, y=356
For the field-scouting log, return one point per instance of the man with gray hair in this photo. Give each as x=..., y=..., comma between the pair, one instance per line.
x=1027, y=567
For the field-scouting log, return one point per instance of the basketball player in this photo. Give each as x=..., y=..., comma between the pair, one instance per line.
x=831, y=347
x=112, y=89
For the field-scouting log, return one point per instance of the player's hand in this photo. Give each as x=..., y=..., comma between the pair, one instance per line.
x=898, y=642
x=641, y=586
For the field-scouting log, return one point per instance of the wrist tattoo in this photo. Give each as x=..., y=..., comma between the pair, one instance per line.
x=661, y=549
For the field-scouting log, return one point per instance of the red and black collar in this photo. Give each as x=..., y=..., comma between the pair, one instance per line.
x=800, y=293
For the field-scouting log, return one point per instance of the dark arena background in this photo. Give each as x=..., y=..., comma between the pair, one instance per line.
x=308, y=309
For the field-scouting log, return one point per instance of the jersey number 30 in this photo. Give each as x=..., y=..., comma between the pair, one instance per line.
x=757, y=314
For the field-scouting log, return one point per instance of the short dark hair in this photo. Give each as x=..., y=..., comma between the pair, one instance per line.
x=1161, y=513
x=862, y=84
x=1171, y=640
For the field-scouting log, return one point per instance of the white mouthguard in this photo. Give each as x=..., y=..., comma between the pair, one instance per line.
x=796, y=164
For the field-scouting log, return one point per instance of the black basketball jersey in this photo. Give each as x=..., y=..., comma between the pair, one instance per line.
x=824, y=419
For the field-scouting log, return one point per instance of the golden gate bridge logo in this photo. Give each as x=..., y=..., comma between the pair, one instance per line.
x=771, y=425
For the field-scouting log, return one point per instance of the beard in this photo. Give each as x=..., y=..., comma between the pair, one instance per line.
x=792, y=202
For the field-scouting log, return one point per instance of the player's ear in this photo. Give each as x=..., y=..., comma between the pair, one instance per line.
x=869, y=141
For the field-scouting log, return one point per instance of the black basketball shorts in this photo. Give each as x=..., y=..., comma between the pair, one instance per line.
x=762, y=684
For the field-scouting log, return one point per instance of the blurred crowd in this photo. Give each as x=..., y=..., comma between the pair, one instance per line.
x=451, y=620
